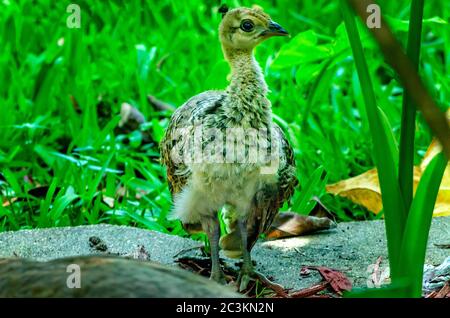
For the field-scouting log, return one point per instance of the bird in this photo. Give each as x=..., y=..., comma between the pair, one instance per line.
x=205, y=172
x=103, y=276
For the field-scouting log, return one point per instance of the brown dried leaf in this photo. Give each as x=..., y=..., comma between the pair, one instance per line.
x=376, y=275
x=130, y=117
x=338, y=281
x=320, y=210
x=293, y=224
x=444, y=292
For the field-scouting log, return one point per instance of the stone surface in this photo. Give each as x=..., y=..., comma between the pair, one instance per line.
x=46, y=244
x=351, y=248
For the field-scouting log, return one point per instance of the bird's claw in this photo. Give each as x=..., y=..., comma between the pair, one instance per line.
x=243, y=282
x=245, y=277
x=219, y=278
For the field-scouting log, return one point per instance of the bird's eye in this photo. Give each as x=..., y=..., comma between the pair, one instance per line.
x=247, y=25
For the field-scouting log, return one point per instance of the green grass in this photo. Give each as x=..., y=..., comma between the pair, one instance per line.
x=126, y=50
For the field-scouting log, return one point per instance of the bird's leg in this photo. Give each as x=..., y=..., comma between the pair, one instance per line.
x=247, y=267
x=248, y=272
x=212, y=229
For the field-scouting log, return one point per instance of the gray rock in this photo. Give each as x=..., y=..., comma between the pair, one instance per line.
x=52, y=243
x=352, y=248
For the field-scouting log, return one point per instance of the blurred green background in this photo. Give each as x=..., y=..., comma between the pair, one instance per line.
x=64, y=162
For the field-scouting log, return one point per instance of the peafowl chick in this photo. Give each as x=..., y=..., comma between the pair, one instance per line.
x=223, y=151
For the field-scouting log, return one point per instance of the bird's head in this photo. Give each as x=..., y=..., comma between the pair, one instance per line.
x=245, y=28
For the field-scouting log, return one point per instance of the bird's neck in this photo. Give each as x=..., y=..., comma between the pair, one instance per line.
x=246, y=74
x=248, y=89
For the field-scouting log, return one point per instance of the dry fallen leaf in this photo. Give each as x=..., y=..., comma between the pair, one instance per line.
x=378, y=276
x=320, y=210
x=338, y=281
x=444, y=292
x=293, y=224
x=130, y=117
x=365, y=189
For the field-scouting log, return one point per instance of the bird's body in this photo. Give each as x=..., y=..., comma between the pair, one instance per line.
x=222, y=148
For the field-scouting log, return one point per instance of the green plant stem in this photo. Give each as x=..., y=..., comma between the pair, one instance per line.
x=394, y=210
x=415, y=238
x=405, y=172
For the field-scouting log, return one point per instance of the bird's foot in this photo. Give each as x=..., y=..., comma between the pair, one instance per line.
x=219, y=277
x=246, y=276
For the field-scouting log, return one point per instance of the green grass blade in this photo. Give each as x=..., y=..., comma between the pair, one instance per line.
x=301, y=201
x=418, y=224
x=95, y=182
x=149, y=224
x=44, y=210
x=392, y=142
x=405, y=172
x=393, y=206
x=61, y=203
x=312, y=93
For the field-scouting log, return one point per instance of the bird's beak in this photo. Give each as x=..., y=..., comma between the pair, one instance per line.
x=274, y=29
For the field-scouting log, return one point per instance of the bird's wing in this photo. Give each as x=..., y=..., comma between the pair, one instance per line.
x=269, y=200
x=287, y=180
x=181, y=128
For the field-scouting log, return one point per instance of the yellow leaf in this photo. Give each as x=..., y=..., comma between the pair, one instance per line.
x=365, y=189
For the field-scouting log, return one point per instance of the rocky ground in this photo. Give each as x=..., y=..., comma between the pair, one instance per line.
x=351, y=248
